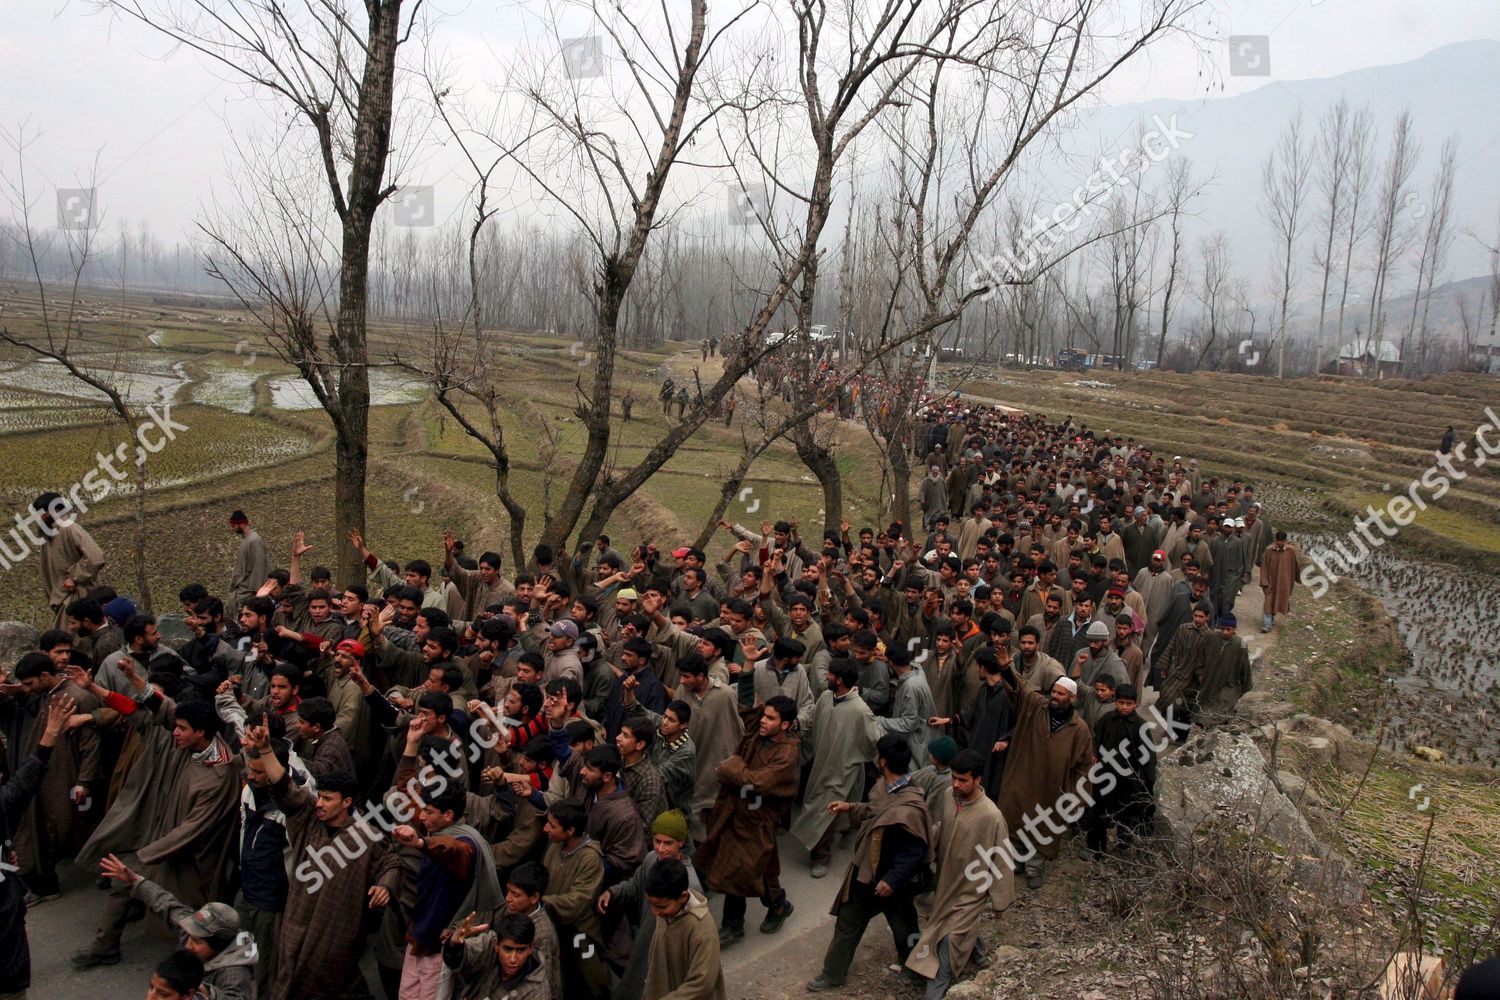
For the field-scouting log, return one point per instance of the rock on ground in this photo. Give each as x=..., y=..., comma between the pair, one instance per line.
x=16, y=639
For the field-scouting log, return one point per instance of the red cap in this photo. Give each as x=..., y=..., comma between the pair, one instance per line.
x=351, y=646
x=681, y=553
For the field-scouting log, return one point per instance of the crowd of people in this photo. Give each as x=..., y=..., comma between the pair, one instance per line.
x=531, y=784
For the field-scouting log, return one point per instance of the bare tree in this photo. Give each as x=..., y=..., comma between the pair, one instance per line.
x=1179, y=193
x=334, y=68
x=1335, y=149
x=1437, y=240
x=62, y=333
x=1283, y=182
x=1361, y=148
x=1215, y=291
x=1393, y=233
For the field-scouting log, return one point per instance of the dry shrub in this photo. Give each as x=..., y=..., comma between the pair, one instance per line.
x=1233, y=917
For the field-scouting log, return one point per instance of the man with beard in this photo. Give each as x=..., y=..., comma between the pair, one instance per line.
x=1048, y=621
x=890, y=866
x=1097, y=660
x=614, y=822
x=1037, y=670
x=933, y=494
x=142, y=645
x=1183, y=663
x=1123, y=740
x=1072, y=635
x=843, y=732
x=1226, y=674
x=1050, y=751
x=94, y=633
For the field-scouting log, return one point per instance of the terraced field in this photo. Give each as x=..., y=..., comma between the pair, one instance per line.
x=255, y=442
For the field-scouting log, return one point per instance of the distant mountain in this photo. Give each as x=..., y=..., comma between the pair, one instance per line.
x=1444, y=310
x=1452, y=90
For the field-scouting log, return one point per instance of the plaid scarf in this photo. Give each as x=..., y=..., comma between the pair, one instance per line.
x=213, y=755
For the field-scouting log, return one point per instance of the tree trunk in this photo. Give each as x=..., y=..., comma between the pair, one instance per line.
x=819, y=460
x=352, y=460
x=143, y=585
x=895, y=450
x=372, y=143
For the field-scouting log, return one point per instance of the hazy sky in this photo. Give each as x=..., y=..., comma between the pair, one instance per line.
x=87, y=85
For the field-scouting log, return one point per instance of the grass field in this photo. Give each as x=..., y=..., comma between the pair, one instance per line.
x=248, y=446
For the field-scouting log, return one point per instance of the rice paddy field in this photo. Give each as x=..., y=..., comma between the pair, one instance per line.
x=257, y=440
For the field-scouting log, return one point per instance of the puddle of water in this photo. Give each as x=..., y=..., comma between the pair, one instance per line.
x=386, y=388
x=148, y=383
x=227, y=388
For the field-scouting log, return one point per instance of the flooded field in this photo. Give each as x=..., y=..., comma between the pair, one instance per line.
x=386, y=389
x=1448, y=617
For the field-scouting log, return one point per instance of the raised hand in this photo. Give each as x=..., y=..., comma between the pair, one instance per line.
x=59, y=712
x=79, y=676
x=258, y=735
x=418, y=727
x=358, y=541
x=448, y=541
x=468, y=928
x=131, y=670
x=300, y=546
x=113, y=868
x=357, y=675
